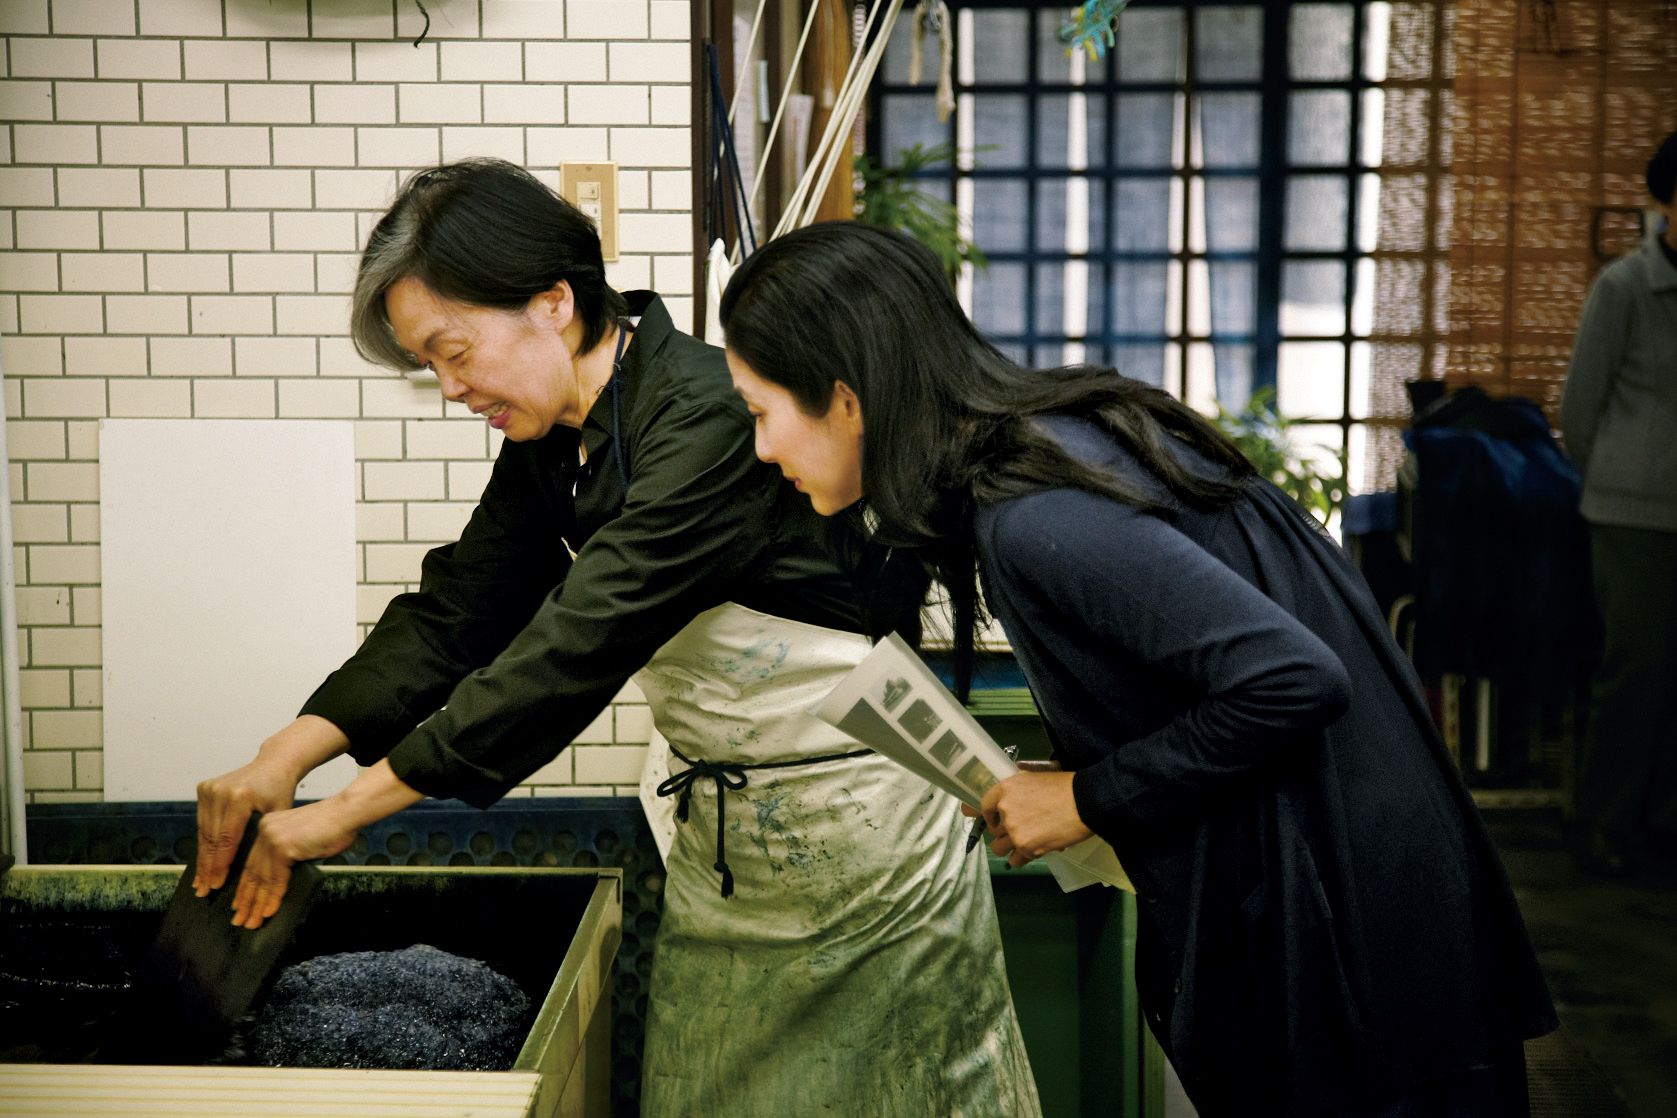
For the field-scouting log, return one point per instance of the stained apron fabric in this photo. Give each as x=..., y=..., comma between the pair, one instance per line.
x=857, y=969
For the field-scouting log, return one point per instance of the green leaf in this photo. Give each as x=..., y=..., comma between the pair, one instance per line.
x=891, y=198
x=1267, y=439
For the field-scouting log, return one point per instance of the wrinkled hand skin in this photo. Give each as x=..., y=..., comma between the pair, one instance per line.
x=1031, y=814
x=224, y=806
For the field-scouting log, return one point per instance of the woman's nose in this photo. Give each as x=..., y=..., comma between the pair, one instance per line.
x=453, y=389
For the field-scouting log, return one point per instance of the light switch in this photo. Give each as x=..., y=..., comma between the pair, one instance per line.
x=592, y=188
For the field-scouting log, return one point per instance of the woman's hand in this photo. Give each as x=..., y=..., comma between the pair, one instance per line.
x=224, y=806
x=1031, y=814
x=267, y=784
x=313, y=831
x=284, y=838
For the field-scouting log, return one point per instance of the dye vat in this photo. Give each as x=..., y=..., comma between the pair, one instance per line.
x=71, y=935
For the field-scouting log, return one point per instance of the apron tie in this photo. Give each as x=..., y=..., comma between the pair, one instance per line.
x=727, y=775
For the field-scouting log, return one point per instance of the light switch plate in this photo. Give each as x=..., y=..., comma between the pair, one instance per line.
x=592, y=188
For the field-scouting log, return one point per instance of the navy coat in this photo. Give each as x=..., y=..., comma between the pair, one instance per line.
x=1323, y=919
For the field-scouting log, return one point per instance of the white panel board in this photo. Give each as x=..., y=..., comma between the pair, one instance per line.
x=228, y=552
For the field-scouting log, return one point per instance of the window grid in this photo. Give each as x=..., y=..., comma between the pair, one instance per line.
x=1268, y=338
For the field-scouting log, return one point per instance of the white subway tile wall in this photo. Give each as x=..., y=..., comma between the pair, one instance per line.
x=184, y=189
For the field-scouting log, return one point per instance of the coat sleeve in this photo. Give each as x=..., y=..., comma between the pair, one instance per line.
x=474, y=595
x=1597, y=352
x=698, y=515
x=1129, y=592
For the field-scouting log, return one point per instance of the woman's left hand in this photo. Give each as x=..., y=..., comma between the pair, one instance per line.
x=1032, y=814
x=284, y=838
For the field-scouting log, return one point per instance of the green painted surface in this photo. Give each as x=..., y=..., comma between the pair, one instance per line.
x=1071, y=964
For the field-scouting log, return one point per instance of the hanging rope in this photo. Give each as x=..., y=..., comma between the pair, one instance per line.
x=932, y=18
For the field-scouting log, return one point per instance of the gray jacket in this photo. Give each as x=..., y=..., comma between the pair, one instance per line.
x=1619, y=408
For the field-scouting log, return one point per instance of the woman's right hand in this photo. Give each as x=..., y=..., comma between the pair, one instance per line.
x=266, y=784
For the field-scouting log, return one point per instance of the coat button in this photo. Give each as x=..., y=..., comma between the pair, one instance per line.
x=1178, y=988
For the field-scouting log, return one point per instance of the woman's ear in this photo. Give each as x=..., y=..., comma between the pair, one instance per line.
x=555, y=307
x=849, y=406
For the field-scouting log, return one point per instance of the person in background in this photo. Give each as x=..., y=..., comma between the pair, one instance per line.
x=1324, y=927
x=827, y=945
x=1619, y=420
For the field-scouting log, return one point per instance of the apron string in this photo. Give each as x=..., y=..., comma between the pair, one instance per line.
x=727, y=775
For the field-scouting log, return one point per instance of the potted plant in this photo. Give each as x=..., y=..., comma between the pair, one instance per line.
x=890, y=197
x=1268, y=440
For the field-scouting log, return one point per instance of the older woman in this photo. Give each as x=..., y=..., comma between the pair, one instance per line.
x=1324, y=926
x=826, y=947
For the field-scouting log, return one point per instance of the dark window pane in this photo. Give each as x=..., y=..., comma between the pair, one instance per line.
x=1234, y=373
x=1312, y=298
x=908, y=119
x=1146, y=130
x=1001, y=39
x=999, y=214
x=1141, y=215
x=1050, y=312
x=1142, y=362
x=1319, y=42
x=1234, y=298
x=1231, y=214
x=1319, y=127
x=998, y=300
x=1150, y=45
x=1230, y=129
x=1316, y=209
x=1000, y=130
x=1053, y=214
x=1138, y=298
x=1230, y=44
x=1053, y=121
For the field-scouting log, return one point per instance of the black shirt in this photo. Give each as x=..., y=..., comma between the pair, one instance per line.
x=568, y=578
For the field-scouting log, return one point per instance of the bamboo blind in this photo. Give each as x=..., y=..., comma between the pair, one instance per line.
x=1545, y=112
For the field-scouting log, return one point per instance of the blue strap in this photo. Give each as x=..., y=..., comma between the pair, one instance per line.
x=617, y=402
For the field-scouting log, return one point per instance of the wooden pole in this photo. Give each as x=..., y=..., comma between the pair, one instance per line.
x=825, y=63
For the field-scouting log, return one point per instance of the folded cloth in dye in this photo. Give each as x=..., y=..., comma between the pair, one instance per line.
x=415, y=1008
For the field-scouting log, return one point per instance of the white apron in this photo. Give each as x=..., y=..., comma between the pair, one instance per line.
x=856, y=968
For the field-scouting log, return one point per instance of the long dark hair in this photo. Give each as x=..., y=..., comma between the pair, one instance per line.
x=949, y=421
x=485, y=232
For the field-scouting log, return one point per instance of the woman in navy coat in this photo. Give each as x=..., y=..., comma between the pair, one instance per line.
x=1325, y=928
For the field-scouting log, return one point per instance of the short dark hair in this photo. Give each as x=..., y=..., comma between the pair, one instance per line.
x=485, y=232
x=1662, y=171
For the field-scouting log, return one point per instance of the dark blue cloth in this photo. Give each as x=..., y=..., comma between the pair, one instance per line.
x=1323, y=920
x=1501, y=553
